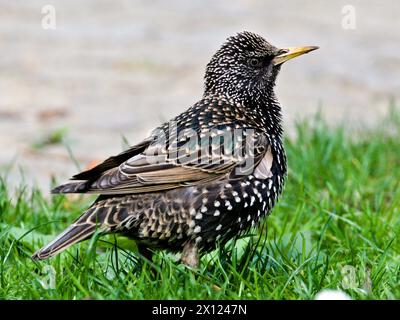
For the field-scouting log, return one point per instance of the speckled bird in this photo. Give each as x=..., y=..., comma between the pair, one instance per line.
x=206, y=176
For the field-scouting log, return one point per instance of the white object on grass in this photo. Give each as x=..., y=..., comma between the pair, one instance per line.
x=329, y=294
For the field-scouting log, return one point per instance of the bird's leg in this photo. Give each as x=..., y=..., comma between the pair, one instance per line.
x=145, y=252
x=190, y=255
x=147, y=255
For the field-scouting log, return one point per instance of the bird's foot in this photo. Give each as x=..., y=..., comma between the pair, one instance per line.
x=145, y=252
x=190, y=255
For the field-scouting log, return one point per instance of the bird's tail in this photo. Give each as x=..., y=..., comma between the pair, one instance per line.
x=71, y=235
x=105, y=215
x=102, y=216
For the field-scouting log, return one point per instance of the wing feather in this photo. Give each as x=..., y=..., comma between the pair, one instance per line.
x=199, y=155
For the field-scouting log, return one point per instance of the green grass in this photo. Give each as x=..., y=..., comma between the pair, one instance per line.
x=336, y=226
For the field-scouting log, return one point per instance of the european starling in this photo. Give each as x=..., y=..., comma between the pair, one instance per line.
x=202, y=178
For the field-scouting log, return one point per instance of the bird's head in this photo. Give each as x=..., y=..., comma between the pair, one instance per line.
x=247, y=65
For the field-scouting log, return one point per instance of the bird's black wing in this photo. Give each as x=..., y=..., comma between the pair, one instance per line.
x=212, y=140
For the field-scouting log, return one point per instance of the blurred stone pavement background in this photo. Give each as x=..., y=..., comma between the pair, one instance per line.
x=120, y=68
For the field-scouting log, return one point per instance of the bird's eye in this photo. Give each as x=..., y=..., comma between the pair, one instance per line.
x=255, y=62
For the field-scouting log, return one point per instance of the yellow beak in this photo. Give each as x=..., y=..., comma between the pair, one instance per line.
x=292, y=53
